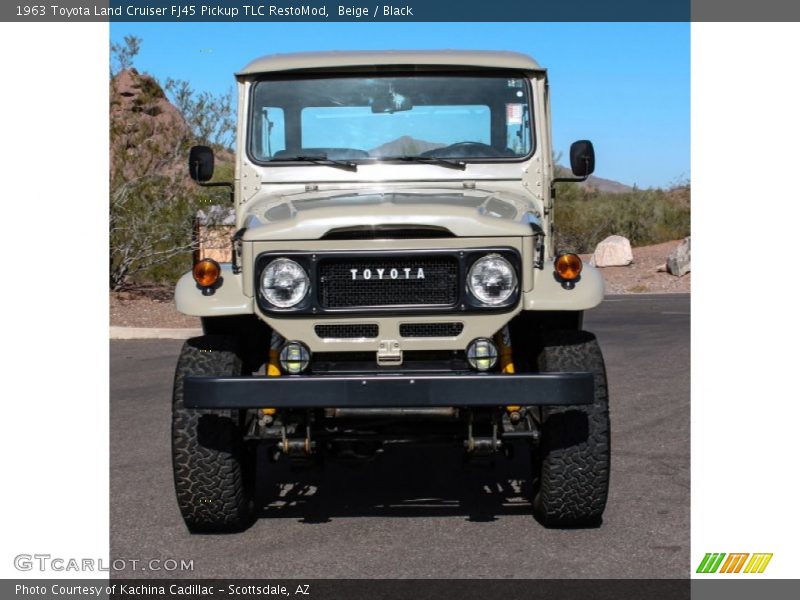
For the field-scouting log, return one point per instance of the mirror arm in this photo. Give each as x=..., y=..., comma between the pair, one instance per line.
x=226, y=184
x=569, y=179
x=572, y=179
x=195, y=171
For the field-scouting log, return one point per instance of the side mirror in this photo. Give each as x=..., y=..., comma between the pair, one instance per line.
x=201, y=163
x=581, y=158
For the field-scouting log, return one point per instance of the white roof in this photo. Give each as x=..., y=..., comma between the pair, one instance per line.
x=328, y=60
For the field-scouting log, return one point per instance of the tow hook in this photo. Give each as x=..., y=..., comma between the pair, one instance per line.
x=389, y=353
x=297, y=446
x=481, y=445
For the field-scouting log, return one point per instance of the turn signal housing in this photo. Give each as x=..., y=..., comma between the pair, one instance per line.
x=206, y=272
x=568, y=267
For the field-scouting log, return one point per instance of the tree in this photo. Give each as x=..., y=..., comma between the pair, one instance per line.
x=122, y=55
x=210, y=117
x=152, y=200
x=150, y=206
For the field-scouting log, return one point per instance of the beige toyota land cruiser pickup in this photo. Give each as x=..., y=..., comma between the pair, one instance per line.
x=394, y=280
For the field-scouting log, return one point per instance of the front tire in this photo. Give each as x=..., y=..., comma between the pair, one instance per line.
x=211, y=464
x=573, y=458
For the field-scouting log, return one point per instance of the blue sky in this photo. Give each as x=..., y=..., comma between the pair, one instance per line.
x=625, y=86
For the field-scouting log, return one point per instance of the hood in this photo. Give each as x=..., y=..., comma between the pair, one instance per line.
x=365, y=213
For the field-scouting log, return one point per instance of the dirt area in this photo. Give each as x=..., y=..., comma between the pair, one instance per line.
x=154, y=307
x=642, y=277
x=147, y=307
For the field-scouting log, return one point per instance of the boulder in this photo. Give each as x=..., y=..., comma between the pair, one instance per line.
x=614, y=251
x=679, y=262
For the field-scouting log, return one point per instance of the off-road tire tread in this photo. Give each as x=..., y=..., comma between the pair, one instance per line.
x=210, y=463
x=574, y=451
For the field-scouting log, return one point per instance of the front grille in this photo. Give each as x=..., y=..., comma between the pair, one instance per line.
x=354, y=282
x=347, y=331
x=422, y=330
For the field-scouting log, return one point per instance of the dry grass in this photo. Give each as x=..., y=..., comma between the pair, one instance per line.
x=584, y=218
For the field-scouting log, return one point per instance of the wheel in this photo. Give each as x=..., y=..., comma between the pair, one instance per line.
x=213, y=468
x=573, y=458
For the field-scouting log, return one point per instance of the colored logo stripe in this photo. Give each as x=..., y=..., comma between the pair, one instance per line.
x=734, y=562
x=710, y=562
x=758, y=563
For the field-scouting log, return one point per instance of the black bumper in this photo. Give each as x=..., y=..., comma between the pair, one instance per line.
x=375, y=391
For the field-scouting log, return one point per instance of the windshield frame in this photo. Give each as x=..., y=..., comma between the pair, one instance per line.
x=348, y=73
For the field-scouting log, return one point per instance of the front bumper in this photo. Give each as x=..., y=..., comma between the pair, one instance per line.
x=376, y=391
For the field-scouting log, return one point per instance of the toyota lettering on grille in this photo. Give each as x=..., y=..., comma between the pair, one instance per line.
x=420, y=280
x=401, y=273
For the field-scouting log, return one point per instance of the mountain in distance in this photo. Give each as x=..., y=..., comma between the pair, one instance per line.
x=407, y=145
x=597, y=184
x=404, y=145
x=608, y=186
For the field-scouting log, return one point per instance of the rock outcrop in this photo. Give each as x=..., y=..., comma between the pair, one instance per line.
x=614, y=251
x=148, y=133
x=679, y=262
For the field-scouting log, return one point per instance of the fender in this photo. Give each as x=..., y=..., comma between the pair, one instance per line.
x=227, y=299
x=549, y=294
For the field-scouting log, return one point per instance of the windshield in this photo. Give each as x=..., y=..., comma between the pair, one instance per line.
x=413, y=117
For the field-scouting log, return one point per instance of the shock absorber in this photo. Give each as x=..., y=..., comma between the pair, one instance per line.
x=503, y=341
x=273, y=370
x=506, y=358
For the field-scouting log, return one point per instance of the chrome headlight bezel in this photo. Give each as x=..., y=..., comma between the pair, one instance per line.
x=271, y=294
x=509, y=273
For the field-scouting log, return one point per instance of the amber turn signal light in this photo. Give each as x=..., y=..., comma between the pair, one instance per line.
x=206, y=272
x=569, y=266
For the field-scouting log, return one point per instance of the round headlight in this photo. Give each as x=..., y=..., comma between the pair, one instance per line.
x=284, y=283
x=492, y=279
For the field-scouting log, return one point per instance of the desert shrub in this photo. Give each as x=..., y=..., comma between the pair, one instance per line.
x=585, y=217
x=167, y=272
x=211, y=117
x=153, y=201
x=122, y=55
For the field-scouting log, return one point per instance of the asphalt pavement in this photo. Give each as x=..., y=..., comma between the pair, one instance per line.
x=423, y=513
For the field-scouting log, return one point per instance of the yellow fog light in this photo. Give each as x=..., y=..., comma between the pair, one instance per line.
x=269, y=411
x=482, y=354
x=513, y=408
x=206, y=272
x=294, y=358
x=569, y=266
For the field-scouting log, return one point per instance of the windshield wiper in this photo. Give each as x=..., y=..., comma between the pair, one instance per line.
x=318, y=159
x=433, y=160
